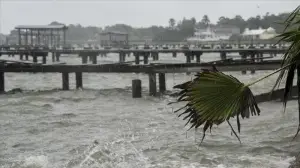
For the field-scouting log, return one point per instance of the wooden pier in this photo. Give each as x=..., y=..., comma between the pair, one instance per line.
x=153, y=70
x=93, y=54
x=251, y=60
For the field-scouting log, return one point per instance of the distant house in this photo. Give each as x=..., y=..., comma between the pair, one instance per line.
x=259, y=34
x=214, y=34
x=114, y=39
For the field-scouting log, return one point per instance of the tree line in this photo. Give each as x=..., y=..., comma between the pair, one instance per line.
x=177, y=30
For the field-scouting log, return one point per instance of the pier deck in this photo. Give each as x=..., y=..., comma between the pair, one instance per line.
x=152, y=68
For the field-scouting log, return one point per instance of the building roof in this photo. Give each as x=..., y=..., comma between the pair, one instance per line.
x=40, y=27
x=113, y=32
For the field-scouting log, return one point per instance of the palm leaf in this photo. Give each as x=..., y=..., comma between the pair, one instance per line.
x=291, y=57
x=213, y=98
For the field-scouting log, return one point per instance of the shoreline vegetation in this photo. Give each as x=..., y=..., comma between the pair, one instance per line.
x=177, y=30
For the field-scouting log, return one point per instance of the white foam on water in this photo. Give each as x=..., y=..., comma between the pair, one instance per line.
x=116, y=154
x=268, y=160
x=36, y=162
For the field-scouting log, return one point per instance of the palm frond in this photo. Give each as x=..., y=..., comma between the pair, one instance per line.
x=291, y=57
x=213, y=98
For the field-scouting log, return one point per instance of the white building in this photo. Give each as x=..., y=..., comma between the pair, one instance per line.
x=213, y=34
x=259, y=34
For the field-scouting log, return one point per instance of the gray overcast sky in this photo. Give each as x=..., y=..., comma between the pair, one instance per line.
x=138, y=13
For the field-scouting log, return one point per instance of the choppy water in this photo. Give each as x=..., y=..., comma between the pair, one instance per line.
x=102, y=126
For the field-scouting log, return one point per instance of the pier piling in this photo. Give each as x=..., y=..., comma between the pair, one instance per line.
x=174, y=54
x=152, y=84
x=136, y=88
x=26, y=57
x=122, y=57
x=198, y=58
x=223, y=55
x=188, y=57
x=35, y=59
x=252, y=60
x=57, y=56
x=162, y=82
x=244, y=57
x=94, y=59
x=78, y=76
x=44, y=59
x=137, y=58
x=21, y=56
x=65, y=81
x=146, y=56
x=53, y=56
x=2, y=82
x=84, y=59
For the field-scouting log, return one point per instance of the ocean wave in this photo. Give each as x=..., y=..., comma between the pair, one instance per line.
x=266, y=149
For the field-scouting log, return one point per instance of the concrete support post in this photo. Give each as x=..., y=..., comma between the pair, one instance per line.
x=78, y=76
x=152, y=84
x=162, y=82
x=44, y=59
x=261, y=57
x=155, y=56
x=223, y=55
x=146, y=56
x=122, y=57
x=94, y=59
x=252, y=60
x=35, y=59
x=84, y=59
x=137, y=58
x=2, y=83
x=53, y=56
x=174, y=54
x=21, y=56
x=198, y=58
x=244, y=56
x=65, y=81
x=192, y=57
x=57, y=57
x=136, y=88
x=188, y=57
x=26, y=57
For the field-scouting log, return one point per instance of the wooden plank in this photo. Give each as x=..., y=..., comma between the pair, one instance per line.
x=15, y=61
x=98, y=51
x=125, y=68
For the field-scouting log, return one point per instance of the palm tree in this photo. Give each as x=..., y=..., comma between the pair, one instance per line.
x=172, y=23
x=205, y=20
x=214, y=97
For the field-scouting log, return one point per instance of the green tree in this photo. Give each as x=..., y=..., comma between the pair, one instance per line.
x=214, y=97
x=205, y=20
x=172, y=23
